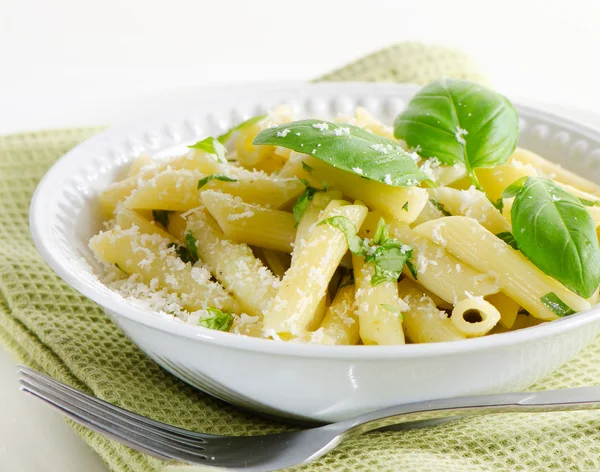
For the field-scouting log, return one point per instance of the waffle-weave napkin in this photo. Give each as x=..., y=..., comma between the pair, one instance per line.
x=46, y=324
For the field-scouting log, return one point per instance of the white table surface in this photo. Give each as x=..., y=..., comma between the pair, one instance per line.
x=72, y=63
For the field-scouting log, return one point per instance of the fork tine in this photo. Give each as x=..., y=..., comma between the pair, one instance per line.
x=171, y=432
x=115, y=430
x=92, y=425
x=126, y=423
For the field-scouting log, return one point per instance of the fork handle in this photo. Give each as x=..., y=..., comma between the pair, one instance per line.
x=568, y=399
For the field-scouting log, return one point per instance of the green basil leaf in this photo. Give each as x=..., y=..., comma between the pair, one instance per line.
x=513, y=189
x=381, y=233
x=393, y=310
x=211, y=146
x=405, y=206
x=162, y=216
x=349, y=148
x=556, y=305
x=440, y=207
x=356, y=244
x=202, y=182
x=190, y=243
x=249, y=122
x=458, y=121
x=555, y=231
x=216, y=319
x=508, y=238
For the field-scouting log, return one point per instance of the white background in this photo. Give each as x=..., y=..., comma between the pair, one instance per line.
x=77, y=62
x=65, y=62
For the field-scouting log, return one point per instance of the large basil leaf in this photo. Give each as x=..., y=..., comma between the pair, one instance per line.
x=458, y=121
x=349, y=148
x=554, y=230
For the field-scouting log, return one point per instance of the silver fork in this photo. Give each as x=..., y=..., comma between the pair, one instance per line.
x=281, y=450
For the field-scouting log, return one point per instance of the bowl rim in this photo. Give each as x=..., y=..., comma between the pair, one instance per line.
x=38, y=223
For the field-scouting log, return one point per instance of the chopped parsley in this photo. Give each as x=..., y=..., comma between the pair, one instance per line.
x=388, y=255
x=440, y=207
x=212, y=146
x=306, y=167
x=304, y=200
x=249, y=122
x=556, y=305
x=189, y=252
x=219, y=320
x=405, y=206
x=117, y=266
x=202, y=182
x=161, y=216
x=499, y=204
x=393, y=310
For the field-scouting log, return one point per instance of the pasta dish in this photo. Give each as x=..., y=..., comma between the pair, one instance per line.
x=349, y=231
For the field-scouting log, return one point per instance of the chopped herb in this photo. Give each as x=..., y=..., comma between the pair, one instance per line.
x=405, y=206
x=388, y=257
x=440, y=207
x=412, y=268
x=357, y=245
x=117, y=266
x=381, y=233
x=393, y=310
x=389, y=260
x=202, y=182
x=508, y=238
x=347, y=279
x=249, y=122
x=306, y=167
x=190, y=242
x=211, y=146
x=161, y=216
x=183, y=253
x=304, y=200
x=556, y=305
x=499, y=204
x=219, y=320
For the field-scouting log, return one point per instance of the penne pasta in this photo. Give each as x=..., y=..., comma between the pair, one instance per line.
x=474, y=317
x=232, y=264
x=440, y=272
x=340, y=324
x=471, y=203
x=554, y=171
x=379, y=307
x=507, y=308
x=248, y=223
x=150, y=257
x=423, y=322
x=306, y=281
x=177, y=190
x=470, y=242
x=402, y=203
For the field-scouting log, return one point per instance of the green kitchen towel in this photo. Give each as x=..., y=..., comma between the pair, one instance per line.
x=46, y=324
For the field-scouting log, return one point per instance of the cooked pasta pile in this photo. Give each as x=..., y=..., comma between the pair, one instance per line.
x=351, y=232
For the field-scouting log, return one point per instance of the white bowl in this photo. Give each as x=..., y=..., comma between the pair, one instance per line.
x=302, y=382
